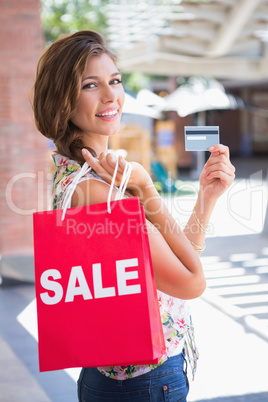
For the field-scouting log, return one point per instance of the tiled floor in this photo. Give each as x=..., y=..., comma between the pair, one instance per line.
x=20, y=378
x=237, y=279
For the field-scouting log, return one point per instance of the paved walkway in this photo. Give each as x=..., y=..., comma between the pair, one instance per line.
x=231, y=322
x=19, y=375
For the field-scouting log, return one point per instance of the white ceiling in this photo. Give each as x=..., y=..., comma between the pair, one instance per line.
x=227, y=39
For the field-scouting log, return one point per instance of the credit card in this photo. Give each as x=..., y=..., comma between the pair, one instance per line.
x=200, y=138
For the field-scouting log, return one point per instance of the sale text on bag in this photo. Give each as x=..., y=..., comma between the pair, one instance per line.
x=78, y=285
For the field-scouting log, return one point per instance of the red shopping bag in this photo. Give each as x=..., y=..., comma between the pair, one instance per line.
x=96, y=295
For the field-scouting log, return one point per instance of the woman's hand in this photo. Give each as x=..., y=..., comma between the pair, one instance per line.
x=218, y=173
x=105, y=165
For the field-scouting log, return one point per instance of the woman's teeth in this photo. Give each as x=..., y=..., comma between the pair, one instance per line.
x=112, y=113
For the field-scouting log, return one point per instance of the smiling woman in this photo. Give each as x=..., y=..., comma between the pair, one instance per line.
x=101, y=100
x=78, y=102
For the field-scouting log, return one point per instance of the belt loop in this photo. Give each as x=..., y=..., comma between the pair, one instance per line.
x=185, y=362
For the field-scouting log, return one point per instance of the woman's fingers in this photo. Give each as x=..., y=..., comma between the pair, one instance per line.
x=219, y=149
x=111, y=160
x=219, y=162
x=90, y=159
x=219, y=165
x=219, y=155
x=121, y=163
x=104, y=166
x=219, y=174
x=106, y=162
x=222, y=171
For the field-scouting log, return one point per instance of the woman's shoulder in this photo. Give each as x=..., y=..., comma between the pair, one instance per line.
x=63, y=161
x=67, y=168
x=65, y=171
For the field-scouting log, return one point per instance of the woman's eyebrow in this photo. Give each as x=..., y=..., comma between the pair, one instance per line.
x=96, y=77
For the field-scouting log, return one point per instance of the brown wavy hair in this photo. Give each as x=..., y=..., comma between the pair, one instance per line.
x=57, y=88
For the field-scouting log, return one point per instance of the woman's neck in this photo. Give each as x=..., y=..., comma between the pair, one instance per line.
x=99, y=144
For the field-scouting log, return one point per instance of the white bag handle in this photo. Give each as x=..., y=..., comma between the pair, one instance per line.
x=85, y=169
x=70, y=189
x=123, y=185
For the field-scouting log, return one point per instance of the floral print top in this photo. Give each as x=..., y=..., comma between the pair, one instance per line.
x=175, y=315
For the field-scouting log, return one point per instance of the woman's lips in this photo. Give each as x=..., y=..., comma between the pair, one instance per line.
x=110, y=115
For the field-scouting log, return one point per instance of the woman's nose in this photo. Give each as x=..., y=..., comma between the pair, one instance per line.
x=108, y=94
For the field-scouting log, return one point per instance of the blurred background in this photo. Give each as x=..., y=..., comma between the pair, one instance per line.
x=195, y=62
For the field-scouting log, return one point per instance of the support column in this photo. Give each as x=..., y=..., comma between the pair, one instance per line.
x=24, y=159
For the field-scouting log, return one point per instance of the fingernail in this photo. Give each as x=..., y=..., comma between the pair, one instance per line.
x=84, y=151
x=211, y=148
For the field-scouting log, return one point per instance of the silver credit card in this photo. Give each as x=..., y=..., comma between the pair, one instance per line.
x=200, y=138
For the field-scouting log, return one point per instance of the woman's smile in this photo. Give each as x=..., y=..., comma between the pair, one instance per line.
x=110, y=114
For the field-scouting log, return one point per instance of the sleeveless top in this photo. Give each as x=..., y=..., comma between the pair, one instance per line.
x=175, y=315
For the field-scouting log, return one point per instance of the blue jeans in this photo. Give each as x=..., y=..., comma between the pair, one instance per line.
x=167, y=382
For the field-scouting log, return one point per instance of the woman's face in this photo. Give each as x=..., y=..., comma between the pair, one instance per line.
x=101, y=99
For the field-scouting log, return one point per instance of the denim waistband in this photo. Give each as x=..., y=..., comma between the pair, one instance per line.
x=172, y=364
x=167, y=382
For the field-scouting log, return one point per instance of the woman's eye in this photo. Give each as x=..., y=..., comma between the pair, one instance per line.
x=116, y=81
x=89, y=85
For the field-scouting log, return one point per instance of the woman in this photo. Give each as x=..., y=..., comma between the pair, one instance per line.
x=78, y=101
